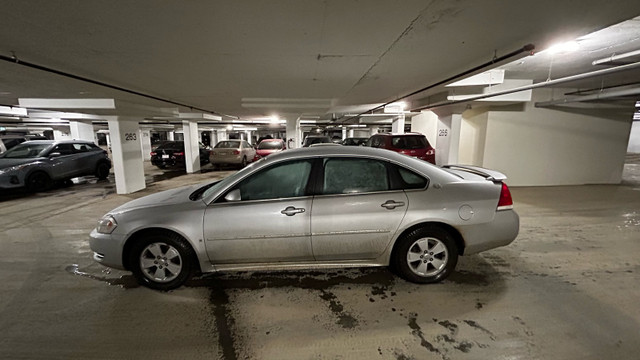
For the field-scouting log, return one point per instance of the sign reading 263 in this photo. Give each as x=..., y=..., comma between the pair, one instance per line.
x=130, y=137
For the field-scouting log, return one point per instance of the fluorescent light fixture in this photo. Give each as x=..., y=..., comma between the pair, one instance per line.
x=13, y=111
x=396, y=107
x=563, y=48
x=68, y=103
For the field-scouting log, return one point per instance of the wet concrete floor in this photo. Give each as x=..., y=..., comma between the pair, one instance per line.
x=567, y=288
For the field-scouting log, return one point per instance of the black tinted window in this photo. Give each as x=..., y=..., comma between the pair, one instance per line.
x=409, y=180
x=409, y=142
x=349, y=176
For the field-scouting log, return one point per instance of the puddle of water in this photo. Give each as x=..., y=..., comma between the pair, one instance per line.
x=125, y=281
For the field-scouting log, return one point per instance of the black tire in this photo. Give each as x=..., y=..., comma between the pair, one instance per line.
x=38, y=181
x=162, y=261
x=102, y=170
x=425, y=255
x=244, y=162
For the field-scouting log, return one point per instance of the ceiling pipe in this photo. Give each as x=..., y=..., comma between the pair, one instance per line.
x=534, y=86
x=13, y=59
x=613, y=58
x=601, y=96
x=525, y=49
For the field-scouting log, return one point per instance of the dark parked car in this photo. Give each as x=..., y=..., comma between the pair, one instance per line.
x=355, y=141
x=170, y=154
x=316, y=139
x=9, y=141
x=412, y=144
x=37, y=164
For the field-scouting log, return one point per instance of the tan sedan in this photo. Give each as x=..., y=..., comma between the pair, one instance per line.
x=232, y=152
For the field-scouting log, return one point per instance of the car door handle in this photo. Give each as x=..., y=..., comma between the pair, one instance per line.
x=390, y=204
x=290, y=211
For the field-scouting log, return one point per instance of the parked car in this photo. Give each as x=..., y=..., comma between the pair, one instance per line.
x=270, y=146
x=170, y=154
x=232, y=152
x=316, y=139
x=37, y=164
x=368, y=207
x=355, y=141
x=9, y=141
x=412, y=144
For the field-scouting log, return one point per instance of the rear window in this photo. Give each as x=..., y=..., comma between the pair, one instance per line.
x=228, y=145
x=171, y=145
x=270, y=145
x=409, y=142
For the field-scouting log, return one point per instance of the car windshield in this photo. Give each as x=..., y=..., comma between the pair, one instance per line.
x=228, y=145
x=270, y=145
x=409, y=142
x=26, y=151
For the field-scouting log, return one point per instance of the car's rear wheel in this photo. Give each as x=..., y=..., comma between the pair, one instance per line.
x=425, y=255
x=38, y=181
x=102, y=170
x=162, y=261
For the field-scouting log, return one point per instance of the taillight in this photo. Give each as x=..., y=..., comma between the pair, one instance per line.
x=505, y=202
x=178, y=154
x=431, y=151
x=153, y=153
x=236, y=152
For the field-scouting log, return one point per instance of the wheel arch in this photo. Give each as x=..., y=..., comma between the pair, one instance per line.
x=446, y=227
x=139, y=234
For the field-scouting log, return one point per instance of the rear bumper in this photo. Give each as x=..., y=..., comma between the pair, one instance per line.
x=500, y=232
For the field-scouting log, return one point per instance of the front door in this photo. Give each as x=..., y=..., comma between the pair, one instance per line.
x=269, y=222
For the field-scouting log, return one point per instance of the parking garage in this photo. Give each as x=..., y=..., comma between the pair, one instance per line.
x=560, y=123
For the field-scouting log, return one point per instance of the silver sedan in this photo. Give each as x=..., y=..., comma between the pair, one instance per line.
x=315, y=207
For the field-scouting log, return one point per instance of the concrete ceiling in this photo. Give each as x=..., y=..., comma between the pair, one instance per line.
x=295, y=59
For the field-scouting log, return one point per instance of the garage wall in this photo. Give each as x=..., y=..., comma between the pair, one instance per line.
x=542, y=146
x=473, y=134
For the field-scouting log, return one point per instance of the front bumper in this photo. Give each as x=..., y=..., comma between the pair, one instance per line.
x=11, y=180
x=107, y=249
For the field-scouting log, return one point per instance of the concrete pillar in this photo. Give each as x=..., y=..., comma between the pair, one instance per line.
x=398, y=125
x=373, y=130
x=351, y=133
x=344, y=133
x=214, y=138
x=82, y=130
x=126, y=154
x=170, y=135
x=293, y=132
x=145, y=143
x=249, y=135
x=426, y=123
x=61, y=135
x=222, y=135
x=448, y=142
x=191, y=148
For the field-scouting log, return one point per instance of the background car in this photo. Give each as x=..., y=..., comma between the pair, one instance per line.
x=316, y=139
x=368, y=207
x=170, y=154
x=37, y=164
x=9, y=141
x=232, y=152
x=270, y=146
x=412, y=144
x=355, y=141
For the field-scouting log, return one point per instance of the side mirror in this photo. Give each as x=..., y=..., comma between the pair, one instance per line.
x=55, y=154
x=233, y=195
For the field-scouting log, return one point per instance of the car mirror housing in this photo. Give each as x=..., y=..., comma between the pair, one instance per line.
x=55, y=154
x=233, y=195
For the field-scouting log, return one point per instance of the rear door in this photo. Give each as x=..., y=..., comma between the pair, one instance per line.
x=356, y=214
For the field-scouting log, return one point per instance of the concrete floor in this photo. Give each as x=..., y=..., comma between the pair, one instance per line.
x=567, y=288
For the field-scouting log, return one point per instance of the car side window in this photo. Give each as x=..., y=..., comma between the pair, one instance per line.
x=279, y=181
x=80, y=148
x=351, y=176
x=63, y=149
x=407, y=180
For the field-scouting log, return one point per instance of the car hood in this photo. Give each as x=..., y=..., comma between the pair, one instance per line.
x=7, y=163
x=163, y=198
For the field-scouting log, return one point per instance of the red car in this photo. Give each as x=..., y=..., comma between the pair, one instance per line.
x=412, y=144
x=270, y=146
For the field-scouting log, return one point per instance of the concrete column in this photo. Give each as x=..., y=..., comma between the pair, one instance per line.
x=61, y=135
x=448, y=142
x=351, y=133
x=145, y=143
x=214, y=138
x=126, y=154
x=398, y=125
x=373, y=130
x=222, y=135
x=82, y=130
x=170, y=135
x=191, y=148
x=293, y=132
x=426, y=123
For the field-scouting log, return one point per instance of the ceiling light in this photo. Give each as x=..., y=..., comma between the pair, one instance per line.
x=562, y=48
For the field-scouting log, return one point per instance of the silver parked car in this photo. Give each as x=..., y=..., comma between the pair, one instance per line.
x=232, y=152
x=326, y=206
x=37, y=164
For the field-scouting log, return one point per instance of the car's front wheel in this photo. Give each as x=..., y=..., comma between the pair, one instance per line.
x=162, y=261
x=38, y=181
x=425, y=255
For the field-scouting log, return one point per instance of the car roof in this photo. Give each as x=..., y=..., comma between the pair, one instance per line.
x=58, y=142
x=399, y=134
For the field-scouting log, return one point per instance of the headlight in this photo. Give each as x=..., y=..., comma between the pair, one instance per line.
x=107, y=224
x=13, y=168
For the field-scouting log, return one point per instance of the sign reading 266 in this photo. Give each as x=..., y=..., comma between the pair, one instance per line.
x=130, y=137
